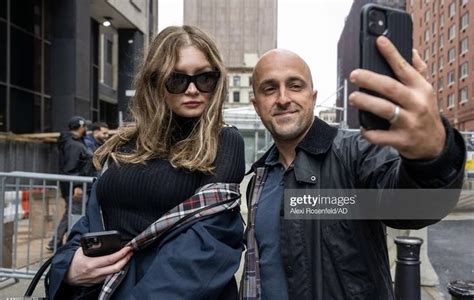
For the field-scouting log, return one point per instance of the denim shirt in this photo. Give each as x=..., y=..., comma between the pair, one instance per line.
x=267, y=230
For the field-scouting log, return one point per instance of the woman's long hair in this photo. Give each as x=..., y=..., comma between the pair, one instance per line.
x=153, y=123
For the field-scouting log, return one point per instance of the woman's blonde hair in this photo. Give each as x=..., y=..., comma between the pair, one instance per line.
x=153, y=118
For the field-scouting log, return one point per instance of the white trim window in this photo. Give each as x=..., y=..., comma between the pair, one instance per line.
x=451, y=100
x=463, y=95
x=463, y=47
x=427, y=54
x=452, y=9
x=451, y=78
x=441, y=41
x=463, y=70
x=441, y=63
x=464, y=21
x=427, y=35
x=451, y=55
x=441, y=21
x=433, y=68
x=452, y=32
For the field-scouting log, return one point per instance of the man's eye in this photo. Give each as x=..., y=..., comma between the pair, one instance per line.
x=268, y=89
x=295, y=87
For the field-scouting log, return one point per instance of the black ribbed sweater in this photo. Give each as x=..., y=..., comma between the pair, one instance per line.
x=132, y=196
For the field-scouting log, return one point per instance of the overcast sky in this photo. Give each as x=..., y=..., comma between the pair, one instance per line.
x=311, y=28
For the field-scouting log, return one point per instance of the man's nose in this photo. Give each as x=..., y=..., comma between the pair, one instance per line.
x=283, y=97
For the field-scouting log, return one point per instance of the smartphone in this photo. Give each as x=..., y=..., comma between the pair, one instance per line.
x=101, y=243
x=397, y=26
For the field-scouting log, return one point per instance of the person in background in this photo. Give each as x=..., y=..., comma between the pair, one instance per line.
x=74, y=159
x=176, y=158
x=100, y=134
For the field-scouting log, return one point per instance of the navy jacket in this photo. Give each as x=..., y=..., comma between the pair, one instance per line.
x=197, y=261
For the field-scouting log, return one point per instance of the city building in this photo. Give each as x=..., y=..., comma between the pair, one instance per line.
x=443, y=34
x=328, y=116
x=243, y=30
x=348, y=54
x=63, y=58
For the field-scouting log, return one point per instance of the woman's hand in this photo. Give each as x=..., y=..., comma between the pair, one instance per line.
x=87, y=271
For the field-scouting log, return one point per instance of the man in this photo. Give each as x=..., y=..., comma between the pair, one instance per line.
x=74, y=159
x=339, y=259
x=100, y=133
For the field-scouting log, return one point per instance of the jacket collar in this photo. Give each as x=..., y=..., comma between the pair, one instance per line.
x=317, y=141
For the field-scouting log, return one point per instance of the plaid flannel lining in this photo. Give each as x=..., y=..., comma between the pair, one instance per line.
x=250, y=287
x=208, y=200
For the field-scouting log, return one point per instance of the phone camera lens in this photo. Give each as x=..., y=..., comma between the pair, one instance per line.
x=377, y=22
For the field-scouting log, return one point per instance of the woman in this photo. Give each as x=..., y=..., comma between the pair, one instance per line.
x=177, y=144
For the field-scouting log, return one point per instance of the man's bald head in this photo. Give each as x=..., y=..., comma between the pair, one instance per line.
x=274, y=56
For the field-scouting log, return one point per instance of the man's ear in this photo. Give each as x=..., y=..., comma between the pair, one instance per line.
x=315, y=96
x=255, y=106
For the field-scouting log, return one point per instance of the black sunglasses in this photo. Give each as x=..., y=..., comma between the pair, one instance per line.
x=205, y=82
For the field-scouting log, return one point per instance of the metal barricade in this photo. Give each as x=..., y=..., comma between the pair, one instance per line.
x=33, y=205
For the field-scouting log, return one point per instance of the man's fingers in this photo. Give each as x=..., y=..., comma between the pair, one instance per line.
x=402, y=69
x=383, y=137
x=378, y=106
x=383, y=85
x=419, y=64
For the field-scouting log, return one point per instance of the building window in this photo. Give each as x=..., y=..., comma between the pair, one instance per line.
x=433, y=48
x=433, y=68
x=236, y=96
x=452, y=32
x=440, y=83
x=451, y=55
x=3, y=52
x=433, y=27
x=236, y=80
x=463, y=95
x=451, y=78
x=463, y=45
x=3, y=108
x=463, y=70
x=427, y=35
x=441, y=41
x=452, y=9
x=464, y=21
x=464, y=2
x=441, y=21
x=427, y=16
x=441, y=63
x=451, y=100
x=110, y=50
x=427, y=54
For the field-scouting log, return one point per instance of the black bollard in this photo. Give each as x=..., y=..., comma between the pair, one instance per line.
x=407, y=272
x=461, y=290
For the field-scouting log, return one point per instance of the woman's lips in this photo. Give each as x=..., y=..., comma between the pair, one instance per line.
x=191, y=104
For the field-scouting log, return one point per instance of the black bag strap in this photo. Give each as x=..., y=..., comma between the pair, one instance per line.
x=38, y=275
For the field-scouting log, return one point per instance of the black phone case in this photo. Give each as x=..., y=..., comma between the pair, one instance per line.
x=400, y=32
x=110, y=242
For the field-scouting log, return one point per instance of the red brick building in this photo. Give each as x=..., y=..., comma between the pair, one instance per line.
x=444, y=37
